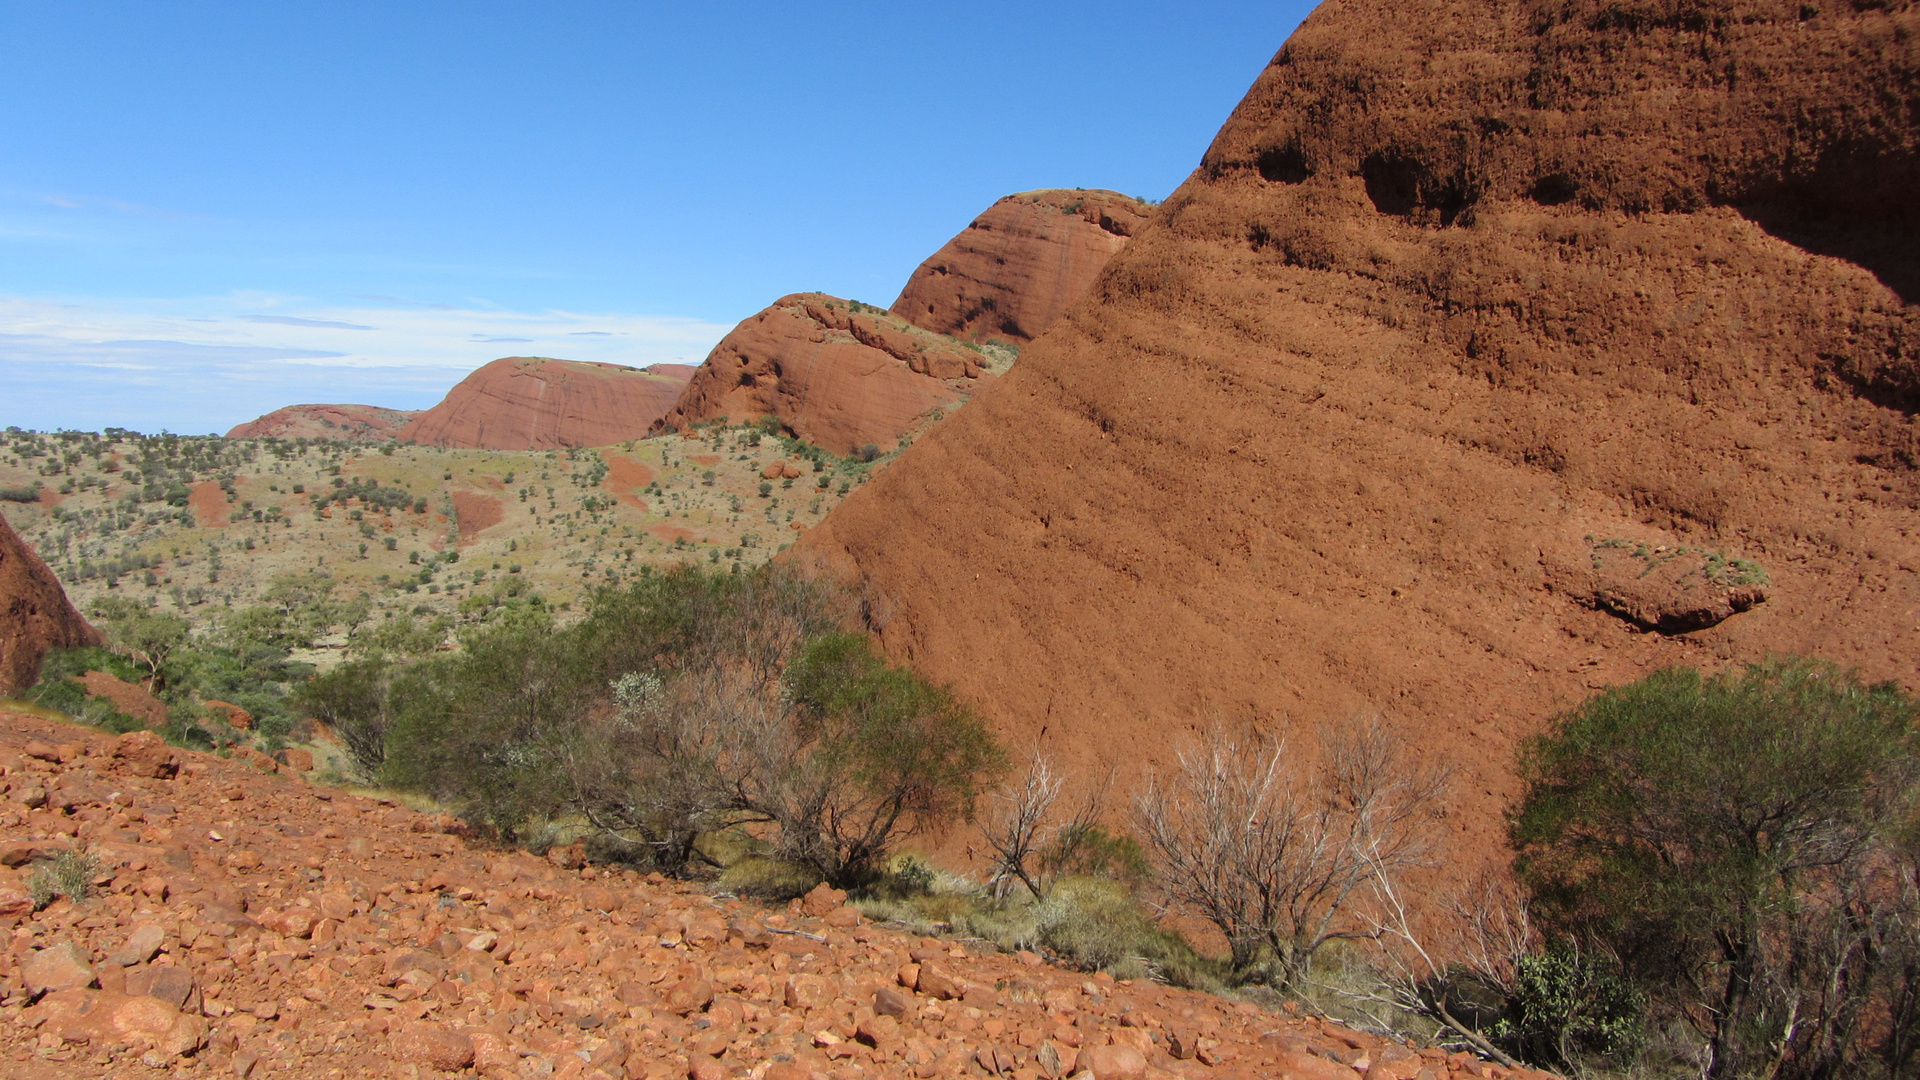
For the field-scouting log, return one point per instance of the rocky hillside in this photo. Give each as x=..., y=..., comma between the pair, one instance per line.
x=353, y=423
x=240, y=923
x=837, y=373
x=536, y=403
x=1488, y=357
x=34, y=614
x=1016, y=269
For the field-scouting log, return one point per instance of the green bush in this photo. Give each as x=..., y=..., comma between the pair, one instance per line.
x=686, y=702
x=1742, y=844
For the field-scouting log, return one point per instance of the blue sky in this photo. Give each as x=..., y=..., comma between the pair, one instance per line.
x=210, y=210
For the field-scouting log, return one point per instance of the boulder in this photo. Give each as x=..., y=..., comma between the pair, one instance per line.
x=430, y=1044
x=64, y=966
x=35, y=615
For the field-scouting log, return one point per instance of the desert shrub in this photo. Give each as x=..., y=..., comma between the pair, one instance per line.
x=483, y=730
x=685, y=704
x=1566, y=1006
x=1275, y=849
x=1742, y=844
x=69, y=873
x=354, y=700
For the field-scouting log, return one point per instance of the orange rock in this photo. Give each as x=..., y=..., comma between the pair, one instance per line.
x=823, y=384
x=58, y=967
x=1125, y=1063
x=432, y=1045
x=144, y=753
x=823, y=899
x=1017, y=268
x=807, y=992
x=38, y=615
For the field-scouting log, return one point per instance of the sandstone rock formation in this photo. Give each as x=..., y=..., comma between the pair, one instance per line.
x=251, y=925
x=834, y=372
x=1015, y=270
x=35, y=615
x=353, y=423
x=1455, y=298
x=534, y=403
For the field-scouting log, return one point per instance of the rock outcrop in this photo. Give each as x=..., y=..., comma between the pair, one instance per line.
x=537, y=403
x=835, y=372
x=35, y=615
x=252, y=925
x=353, y=423
x=1457, y=300
x=1016, y=269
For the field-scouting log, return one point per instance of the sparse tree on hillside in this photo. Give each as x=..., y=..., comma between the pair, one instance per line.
x=147, y=636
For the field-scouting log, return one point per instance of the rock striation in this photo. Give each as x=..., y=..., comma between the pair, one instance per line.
x=353, y=423
x=535, y=403
x=835, y=372
x=252, y=925
x=1458, y=313
x=1016, y=269
x=35, y=615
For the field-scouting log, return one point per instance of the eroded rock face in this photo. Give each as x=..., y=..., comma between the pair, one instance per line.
x=838, y=374
x=354, y=423
x=534, y=403
x=1449, y=297
x=35, y=615
x=1016, y=269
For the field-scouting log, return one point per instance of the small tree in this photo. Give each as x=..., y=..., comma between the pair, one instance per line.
x=1028, y=844
x=354, y=700
x=1273, y=850
x=146, y=636
x=1743, y=843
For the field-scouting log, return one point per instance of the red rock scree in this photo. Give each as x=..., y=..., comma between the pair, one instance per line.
x=250, y=925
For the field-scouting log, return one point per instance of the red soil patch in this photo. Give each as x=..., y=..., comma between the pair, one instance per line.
x=129, y=698
x=209, y=504
x=670, y=533
x=477, y=513
x=625, y=476
x=705, y=461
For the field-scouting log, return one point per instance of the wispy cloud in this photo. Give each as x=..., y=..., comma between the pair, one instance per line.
x=289, y=320
x=209, y=363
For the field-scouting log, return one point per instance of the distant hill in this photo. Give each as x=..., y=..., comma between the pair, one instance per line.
x=539, y=403
x=353, y=423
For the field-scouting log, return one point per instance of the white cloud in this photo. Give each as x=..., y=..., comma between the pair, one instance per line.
x=209, y=363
